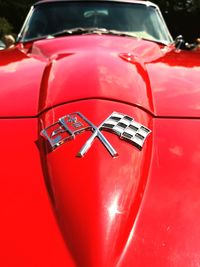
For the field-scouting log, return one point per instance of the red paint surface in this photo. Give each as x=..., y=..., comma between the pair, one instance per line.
x=139, y=209
x=108, y=190
x=29, y=234
x=168, y=225
x=128, y=70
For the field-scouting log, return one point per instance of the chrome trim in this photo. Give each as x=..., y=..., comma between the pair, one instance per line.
x=67, y=127
x=126, y=128
x=102, y=138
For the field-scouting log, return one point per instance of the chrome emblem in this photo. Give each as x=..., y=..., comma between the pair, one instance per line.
x=67, y=127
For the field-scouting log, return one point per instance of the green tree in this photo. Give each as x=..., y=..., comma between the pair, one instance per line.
x=5, y=27
x=15, y=11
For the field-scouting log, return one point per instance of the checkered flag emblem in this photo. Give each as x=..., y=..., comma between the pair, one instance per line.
x=65, y=129
x=71, y=125
x=127, y=128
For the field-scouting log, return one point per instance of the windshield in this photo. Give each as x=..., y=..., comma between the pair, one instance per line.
x=139, y=20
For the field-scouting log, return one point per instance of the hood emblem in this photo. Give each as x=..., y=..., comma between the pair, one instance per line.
x=67, y=127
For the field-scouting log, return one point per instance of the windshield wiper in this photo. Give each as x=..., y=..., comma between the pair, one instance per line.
x=100, y=31
x=94, y=30
x=79, y=31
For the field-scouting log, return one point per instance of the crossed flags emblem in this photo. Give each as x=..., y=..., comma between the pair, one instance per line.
x=67, y=127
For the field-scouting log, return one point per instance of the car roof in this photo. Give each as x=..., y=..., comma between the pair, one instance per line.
x=144, y=2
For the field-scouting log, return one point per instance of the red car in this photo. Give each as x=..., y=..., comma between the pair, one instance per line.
x=99, y=130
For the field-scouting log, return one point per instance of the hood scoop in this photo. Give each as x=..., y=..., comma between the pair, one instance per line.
x=97, y=67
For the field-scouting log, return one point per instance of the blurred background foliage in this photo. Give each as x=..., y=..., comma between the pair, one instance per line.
x=12, y=15
x=181, y=16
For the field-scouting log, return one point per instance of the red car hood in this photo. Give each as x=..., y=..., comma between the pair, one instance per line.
x=137, y=209
x=126, y=70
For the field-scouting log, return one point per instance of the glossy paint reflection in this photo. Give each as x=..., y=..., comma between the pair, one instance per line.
x=168, y=223
x=96, y=204
x=176, y=90
x=20, y=78
x=50, y=72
